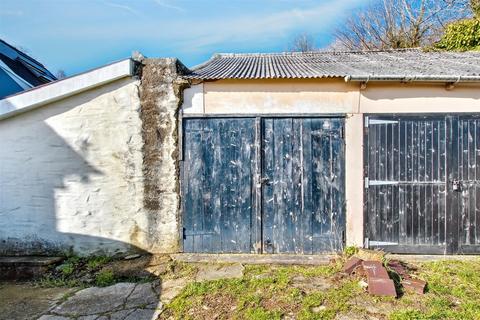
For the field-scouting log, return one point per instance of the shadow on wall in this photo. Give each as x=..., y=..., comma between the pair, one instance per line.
x=45, y=207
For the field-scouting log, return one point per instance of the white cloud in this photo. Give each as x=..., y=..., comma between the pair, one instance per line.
x=123, y=7
x=256, y=27
x=167, y=5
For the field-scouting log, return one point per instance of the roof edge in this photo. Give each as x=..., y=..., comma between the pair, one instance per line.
x=53, y=91
x=413, y=78
x=214, y=57
x=311, y=52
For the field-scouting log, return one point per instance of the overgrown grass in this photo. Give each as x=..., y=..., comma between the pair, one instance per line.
x=263, y=293
x=80, y=272
x=104, y=278
x=453, y=292
x=267, y=292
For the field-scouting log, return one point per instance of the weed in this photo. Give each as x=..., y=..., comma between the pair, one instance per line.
x=260, y=313
x=104, y=278
x=96, y=262
x=453, y=292
x=350, y=251
x=50, y=282
x=67, y=269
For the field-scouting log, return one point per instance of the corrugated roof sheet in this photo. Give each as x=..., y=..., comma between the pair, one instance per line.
x=380, y=65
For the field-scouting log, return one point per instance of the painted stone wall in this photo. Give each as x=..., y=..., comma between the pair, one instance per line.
x=96, y=172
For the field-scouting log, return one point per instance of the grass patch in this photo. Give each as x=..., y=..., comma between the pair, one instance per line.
x=453, y=292
x=271, y=292
x=104, y=278
x=350, y=251
x=90, y=271
x=265, y=292
x=178, y=269
x=94, y=263
x=52, y=282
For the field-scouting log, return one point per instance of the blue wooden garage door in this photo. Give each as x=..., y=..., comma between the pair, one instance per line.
x=263, y=185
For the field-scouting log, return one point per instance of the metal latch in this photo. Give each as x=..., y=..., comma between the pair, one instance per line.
x=265, y=181
x=456, y=185
x=268, y=246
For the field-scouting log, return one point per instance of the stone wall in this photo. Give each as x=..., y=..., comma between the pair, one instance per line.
x=96, y=172
x=161, y=92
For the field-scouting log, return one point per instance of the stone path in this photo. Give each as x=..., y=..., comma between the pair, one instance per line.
x=128, y=301
x=16, y=299
x=120, y=301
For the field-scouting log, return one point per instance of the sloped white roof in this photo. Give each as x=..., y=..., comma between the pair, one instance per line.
x=53, y=91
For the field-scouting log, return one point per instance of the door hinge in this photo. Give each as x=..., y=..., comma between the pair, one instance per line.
x=382, y=243
x=367, y=183
x=380, y=121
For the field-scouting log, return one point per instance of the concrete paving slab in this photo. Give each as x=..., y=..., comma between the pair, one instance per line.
x=281, y=259
x=26, y=301
x=52, y=317
x=169, y=289
x=143, y=295
x=96, y=300
x=211, y=272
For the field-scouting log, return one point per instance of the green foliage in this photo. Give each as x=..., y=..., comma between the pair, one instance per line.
x=97, y=262
x=475, y=5
x=69, y=266
x=86, y=271
x=104, y=278
x=453, y=292
x=268, y=292
x=66, y=269
x=262, y=314
x=51, y=282
x=350, y=251
x=461, y=36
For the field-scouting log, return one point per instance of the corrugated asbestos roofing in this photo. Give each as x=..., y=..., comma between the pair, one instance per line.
x=375, y=64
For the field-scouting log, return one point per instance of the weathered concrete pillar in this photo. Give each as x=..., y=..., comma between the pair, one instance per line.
x=354, y=178
x=161, y=92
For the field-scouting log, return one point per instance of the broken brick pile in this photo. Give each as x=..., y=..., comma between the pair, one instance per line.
x=378, y=279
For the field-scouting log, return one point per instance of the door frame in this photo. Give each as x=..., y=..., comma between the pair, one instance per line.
x=258, y=246
x=452, y=244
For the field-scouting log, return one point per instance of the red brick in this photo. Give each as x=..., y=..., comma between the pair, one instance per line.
x=375, y=269
x=351, y=264
x=398, y=267
x=381, y=287
x=414, y=285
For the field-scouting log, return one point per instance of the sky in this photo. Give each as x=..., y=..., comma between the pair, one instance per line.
x=78, y=35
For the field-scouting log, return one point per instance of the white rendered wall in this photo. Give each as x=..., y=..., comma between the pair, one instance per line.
x=71, y=174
